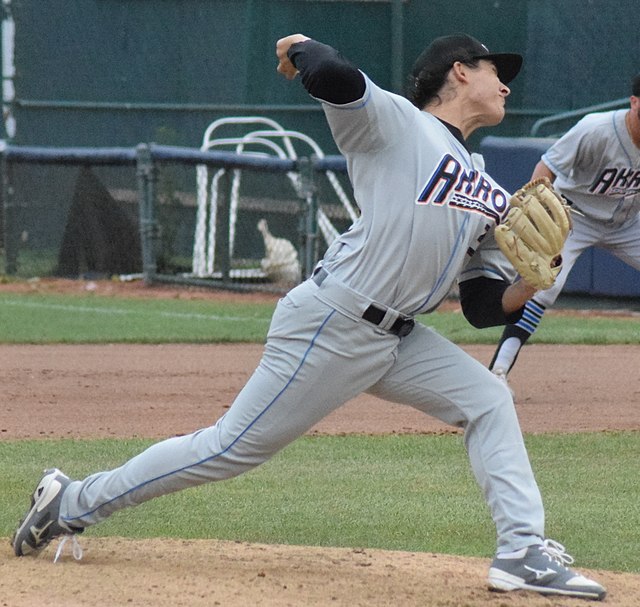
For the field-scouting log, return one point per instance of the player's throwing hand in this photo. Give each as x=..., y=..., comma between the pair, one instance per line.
x=285, y=67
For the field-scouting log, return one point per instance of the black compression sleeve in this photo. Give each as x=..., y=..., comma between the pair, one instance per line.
x=325, y=73
x=481, y=302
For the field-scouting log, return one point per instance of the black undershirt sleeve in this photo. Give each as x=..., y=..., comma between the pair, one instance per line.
x=481, y=302
x=325, y=73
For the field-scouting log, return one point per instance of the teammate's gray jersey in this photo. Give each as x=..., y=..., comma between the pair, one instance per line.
x=598, y=167
x=412, y=177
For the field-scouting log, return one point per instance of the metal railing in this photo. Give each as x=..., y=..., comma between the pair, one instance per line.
x=148, y=160
x=573, y=114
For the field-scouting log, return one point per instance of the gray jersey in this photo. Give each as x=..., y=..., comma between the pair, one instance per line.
x=412, y=177
x=598, y=167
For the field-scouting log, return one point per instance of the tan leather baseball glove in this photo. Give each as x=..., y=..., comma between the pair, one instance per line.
x=534, y=231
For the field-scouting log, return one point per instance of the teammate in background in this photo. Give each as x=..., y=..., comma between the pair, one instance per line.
x=428, y=212
x=596, y=167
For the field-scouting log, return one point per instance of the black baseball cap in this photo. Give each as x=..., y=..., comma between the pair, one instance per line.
x=443, y=52
x=635, y=85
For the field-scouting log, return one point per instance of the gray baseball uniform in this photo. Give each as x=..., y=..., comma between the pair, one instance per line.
x=428, y=211
x=597, y=168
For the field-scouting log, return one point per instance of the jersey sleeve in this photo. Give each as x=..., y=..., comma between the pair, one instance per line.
x=362, y=116
x=376, y=121
x=482, y=283
x=575, y=149
x=488, y=261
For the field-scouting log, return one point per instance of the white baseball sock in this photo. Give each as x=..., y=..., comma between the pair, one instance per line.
x=508, y=351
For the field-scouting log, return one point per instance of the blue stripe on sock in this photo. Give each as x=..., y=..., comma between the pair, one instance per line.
x=531, y=317
x=525, y=326
x=536, y=307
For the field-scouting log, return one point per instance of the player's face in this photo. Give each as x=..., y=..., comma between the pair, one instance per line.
x=488, y=94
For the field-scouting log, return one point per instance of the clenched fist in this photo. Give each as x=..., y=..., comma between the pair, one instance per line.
x=285, y=67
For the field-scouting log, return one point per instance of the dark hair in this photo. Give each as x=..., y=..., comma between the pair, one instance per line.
x=635, y=85
x=425, y=86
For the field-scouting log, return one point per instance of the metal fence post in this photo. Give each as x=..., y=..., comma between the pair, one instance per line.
x=223, y=218
x=310, y=229
x=9, y=229
x=146, y=174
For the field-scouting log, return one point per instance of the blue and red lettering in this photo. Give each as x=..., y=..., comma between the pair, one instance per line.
x=464, y=189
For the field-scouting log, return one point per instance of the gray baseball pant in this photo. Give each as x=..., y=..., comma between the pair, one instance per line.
x=315, y=359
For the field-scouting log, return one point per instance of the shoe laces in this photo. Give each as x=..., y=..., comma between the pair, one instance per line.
x=76, y=548
x=556, y=552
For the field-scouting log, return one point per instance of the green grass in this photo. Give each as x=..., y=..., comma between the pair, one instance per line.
x=552, y=330
x=44, y=318
x=94, y=319
x=406, y=492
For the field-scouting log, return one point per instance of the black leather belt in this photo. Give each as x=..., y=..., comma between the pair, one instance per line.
x=374, y=314
x=401, y=327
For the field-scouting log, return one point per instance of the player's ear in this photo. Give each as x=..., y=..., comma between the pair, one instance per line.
x=460, y=71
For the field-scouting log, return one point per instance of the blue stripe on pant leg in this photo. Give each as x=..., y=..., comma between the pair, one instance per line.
x=223, y=451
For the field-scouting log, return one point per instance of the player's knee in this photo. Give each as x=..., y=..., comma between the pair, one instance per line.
x=496, y=400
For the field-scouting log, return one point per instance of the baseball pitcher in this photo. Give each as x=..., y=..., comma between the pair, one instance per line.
x=429, y=213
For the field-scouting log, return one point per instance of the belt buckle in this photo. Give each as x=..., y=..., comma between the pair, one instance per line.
x=406, y=327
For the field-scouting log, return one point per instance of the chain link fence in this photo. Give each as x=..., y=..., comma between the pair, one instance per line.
x=170, y=214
